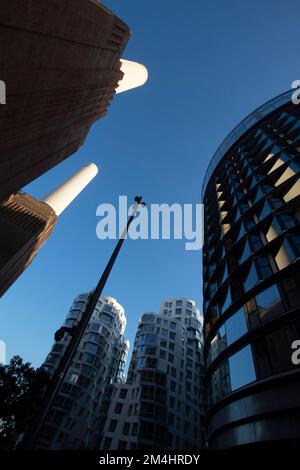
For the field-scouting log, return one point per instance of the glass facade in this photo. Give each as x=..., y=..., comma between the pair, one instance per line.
x=251, y=260
x=100, y=359
x=167, y=400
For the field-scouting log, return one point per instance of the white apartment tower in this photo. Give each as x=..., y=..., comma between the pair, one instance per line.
x=73, y=420
x=162, y=404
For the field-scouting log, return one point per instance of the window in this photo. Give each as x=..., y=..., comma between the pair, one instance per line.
x=162, y=354
x=122, y=445
x=70, y=322
x=236, y=326
x=171, y=402
x=107, y=443
x=148, y=392
x=171, y=357
x=147, y=328
x=178, y=303
x=241, y=368
x=89, y=358
x=73, y=378
x=172, y=335
x=148, y=317
x=280, y=223
x=126, y=428
x=94, y=327
x=112, y=425
x=78, y=305
x=171, y=419
x=228, y=300
x=260, y=269
x=123, y=393
x=134, y=429
x=272, y=352
x=107, y=318
x=171, y=346
x=146, y=429
x=118, y=408
x=288, y=252
x=91, y=348
x=173, y=325
x=270, y=204
x=291, y=288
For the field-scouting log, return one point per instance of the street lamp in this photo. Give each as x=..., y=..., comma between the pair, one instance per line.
x=76, y=333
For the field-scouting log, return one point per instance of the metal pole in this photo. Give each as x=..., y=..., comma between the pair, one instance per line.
x=38, y=419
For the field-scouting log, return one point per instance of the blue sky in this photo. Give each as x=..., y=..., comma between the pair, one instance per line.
x=210, y=64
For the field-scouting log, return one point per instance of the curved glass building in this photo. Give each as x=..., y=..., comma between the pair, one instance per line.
x=251, y=274
x=162, y=405
x=73, y=420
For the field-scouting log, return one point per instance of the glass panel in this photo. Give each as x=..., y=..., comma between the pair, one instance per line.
x=241, y=368
x=147, y=317
x=246, y=252
x=236, y=326
x=251, y=279
x=228, y=301
x=264, y=306
x=232, y=374
x=272, y=353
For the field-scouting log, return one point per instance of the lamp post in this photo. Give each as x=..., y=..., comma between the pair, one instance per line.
x=33, y=431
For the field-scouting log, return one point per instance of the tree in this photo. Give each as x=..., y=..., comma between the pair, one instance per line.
x=21, y=389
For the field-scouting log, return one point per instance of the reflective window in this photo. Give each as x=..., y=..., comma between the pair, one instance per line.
x=227, y=301
x=241, y=368
x=147, y=328
x=246, y=253
x=260, y=269
x=255, y=242
x=233, y=329
x=78, y=305
x=272, y=352
x=235, y=372
x=291, y=288
x=288, y=252
x=236, y=326
x=264, y=306
x=107, y=318
x=269, y=205
x=70, y=322
x=91, y=348
x=148, y=317
x=251, y=278
x=246, y=225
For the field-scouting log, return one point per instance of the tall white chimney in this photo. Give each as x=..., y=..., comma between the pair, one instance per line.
x=135, y=75
x=64, y=194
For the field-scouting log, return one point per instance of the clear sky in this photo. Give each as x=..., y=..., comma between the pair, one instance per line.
x=210, y=63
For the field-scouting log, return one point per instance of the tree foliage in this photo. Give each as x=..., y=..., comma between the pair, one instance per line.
x=21, y=388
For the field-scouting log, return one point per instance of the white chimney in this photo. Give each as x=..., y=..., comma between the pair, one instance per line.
x=135, y=75
x=64, y=194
